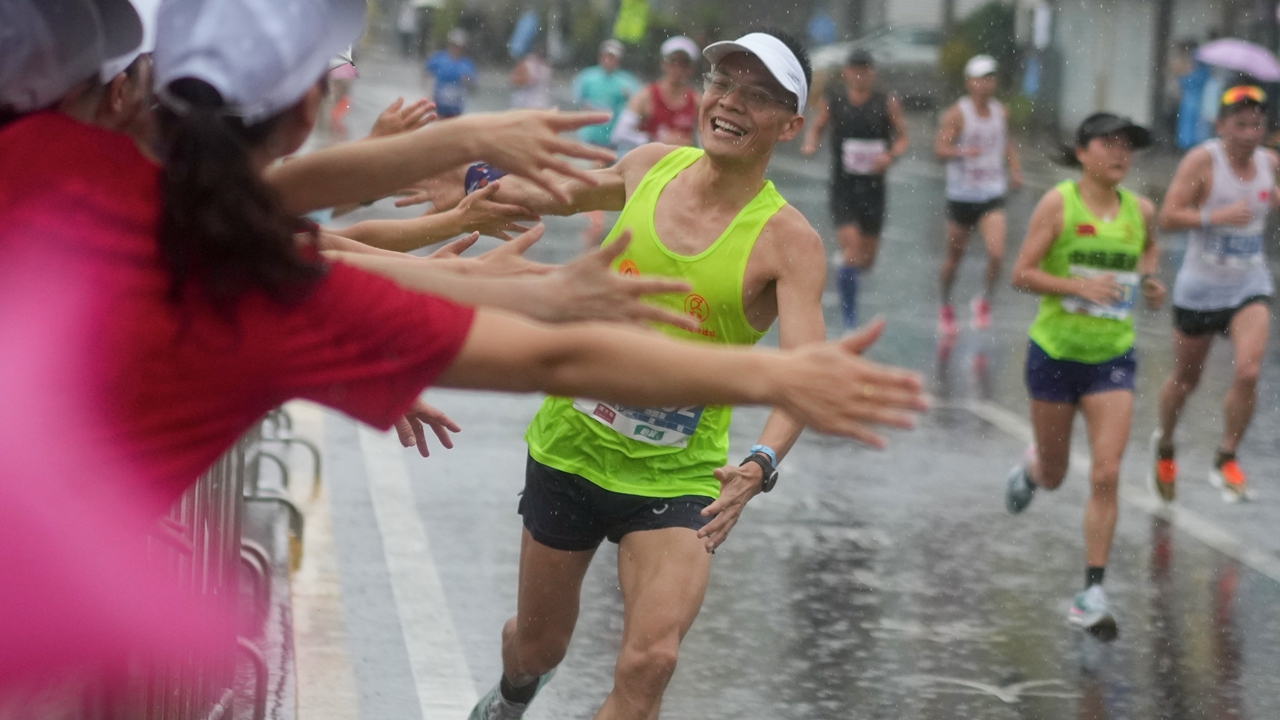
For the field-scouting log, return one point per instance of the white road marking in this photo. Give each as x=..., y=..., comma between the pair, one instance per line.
x=441, y=676
x=326, y=679
x=1137, y=495
x=1007, y=694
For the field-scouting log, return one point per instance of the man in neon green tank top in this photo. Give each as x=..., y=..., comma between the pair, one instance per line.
x=657, y=480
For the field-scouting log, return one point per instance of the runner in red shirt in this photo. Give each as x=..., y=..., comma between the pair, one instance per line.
x=667, y=110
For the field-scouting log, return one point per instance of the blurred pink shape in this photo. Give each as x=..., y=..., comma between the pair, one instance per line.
x=76, y=587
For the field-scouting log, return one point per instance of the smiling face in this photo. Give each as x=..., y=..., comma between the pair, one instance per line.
x=745, y=111
x=1107, y=158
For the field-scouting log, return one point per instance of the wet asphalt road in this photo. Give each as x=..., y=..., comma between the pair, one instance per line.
x=870, y=584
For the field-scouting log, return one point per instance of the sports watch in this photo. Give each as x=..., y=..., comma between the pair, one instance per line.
x=766, y=464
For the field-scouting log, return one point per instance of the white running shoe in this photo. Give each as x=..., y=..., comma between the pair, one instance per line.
x=495, y=707
x=1091, y=613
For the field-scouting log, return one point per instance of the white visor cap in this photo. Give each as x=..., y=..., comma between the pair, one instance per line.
x=146, y=10
x=47, y=47
x=980, y=66
x=261, y=55
x=776, y=56
x=680, y=43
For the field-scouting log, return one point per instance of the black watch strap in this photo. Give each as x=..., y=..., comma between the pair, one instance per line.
x=770, y=472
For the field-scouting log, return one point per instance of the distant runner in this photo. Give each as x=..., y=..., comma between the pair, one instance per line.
x=868, y=133
x=974, y=140
x=1090, y=251
x=666, y=111
x=1221, y=194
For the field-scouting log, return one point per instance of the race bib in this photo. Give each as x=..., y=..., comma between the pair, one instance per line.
x=1120, y=310
x=669, y=427
x=981, y=171
x=858, y=157
x=1230, y=250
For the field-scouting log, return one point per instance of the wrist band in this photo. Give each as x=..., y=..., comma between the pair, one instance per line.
x=1204, y=217
x=767, y=452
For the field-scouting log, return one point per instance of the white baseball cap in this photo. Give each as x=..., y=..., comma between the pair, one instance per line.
x=261, y=55
x=47, y=47
x=776, y=56
x=147, y=10
x=611, y=47
x=680, y=43
x=980, y=66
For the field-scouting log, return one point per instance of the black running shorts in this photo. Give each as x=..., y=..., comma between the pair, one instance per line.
x=968, y=214
x=1206, y=322
x=858, y=200
x=568, y=512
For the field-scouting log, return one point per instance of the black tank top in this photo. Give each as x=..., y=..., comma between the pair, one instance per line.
x=868, y=121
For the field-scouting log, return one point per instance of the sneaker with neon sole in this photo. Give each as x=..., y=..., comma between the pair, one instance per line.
x=1231, y=480
x=1162, y=473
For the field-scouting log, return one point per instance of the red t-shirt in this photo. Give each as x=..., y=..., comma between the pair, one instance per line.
x=172, y=387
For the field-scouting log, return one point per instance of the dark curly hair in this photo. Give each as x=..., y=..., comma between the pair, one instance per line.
x=223, y=231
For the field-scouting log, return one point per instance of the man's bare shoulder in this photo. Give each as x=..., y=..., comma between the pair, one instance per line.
x=642, y=159
x=791, y=242
x=1197, y=160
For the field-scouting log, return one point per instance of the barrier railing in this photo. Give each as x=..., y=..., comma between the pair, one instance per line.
x=201, y=543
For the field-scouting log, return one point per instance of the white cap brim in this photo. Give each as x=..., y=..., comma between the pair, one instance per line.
x=980, y=66
x=682, y=44
x=147, y=10
x=776, y=56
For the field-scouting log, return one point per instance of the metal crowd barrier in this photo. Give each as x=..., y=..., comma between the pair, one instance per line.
x=201, y=543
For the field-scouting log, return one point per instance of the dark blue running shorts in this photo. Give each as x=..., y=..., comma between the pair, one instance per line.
x=569, y=512
x=1066, y=381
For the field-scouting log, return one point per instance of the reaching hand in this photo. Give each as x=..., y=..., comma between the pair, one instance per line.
x=589, y=289
x=478, y=213
x=399, y=118
x=411, y=431
x=527, y=143
x=443, y=191
x=830, y=388
x=738, y=484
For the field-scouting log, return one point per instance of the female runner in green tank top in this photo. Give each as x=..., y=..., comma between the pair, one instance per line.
x=1090, y=251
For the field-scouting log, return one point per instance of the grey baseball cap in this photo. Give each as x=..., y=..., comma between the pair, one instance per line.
x=47, y=47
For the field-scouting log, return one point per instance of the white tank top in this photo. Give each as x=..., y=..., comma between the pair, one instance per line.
x=980, y=178
x=1225, y=265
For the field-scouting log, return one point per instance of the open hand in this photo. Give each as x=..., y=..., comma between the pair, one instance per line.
x=444, y=191
x=831, y=388
x=399, y=118
x=527, y=143
x=411, y=431
x=479, y=213
x=589, y=289
x=738, y=484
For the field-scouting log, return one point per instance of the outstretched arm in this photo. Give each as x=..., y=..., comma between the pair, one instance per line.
x=827, y=386
x=607, y=191
x=526, y=143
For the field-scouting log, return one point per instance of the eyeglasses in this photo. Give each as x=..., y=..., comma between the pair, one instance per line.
x=720, y=84
x=1244, y=93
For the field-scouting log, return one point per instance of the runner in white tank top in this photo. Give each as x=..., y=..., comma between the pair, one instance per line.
x=1221, y=194
x=974, y=140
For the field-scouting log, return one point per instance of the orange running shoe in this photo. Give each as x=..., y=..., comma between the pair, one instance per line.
x=1231, y=480
x=1164, y=471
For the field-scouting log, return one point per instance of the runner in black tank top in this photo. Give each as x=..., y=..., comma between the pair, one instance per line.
x=866, y=138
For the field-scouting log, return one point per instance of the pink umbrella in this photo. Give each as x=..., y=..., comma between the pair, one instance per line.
x=1235, y=54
